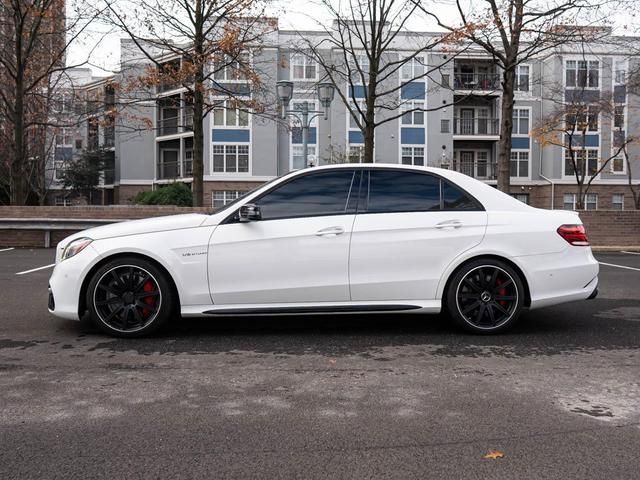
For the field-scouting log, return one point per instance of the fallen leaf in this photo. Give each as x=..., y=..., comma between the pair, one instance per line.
x=494, y=455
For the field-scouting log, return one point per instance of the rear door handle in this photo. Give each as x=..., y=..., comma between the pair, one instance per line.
x=449, y=224
x=330, y=231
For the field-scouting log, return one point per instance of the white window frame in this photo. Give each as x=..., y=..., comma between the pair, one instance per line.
x=360, y=148
x=58, y=165
x=576, y=60
x=357, y=72
x=573, y=200
x=621, y=196
x=413, y=154
x=586, y=165
x=314, y=104
x=227, y=196
x=65, y=201
x=413, y=69
x=64, y=133
x=297, y=147
x=589, y=196
x=518, y=152
x=236, y=144
x=306, y=62
x=622, y=158
x=410, y=105
x=518, y=75
x=229, y=68
x=617, y=63
x=225, y=114
x=517, y=133
x=350, y=117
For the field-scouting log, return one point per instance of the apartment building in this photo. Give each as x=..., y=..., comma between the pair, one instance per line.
x=459, y=128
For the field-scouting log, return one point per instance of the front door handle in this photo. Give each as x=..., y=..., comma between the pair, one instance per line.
x=449, y=224
x=330, y=231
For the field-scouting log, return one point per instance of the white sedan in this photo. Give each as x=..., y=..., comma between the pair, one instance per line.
x=345, y=238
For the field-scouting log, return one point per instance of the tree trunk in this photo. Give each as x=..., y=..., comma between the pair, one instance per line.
x=506, y=127
x=369, y=143
x=17, y=164
x=197, y=187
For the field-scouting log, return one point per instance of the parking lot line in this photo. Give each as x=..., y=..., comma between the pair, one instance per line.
x=36, y=269
x=6, y=249
x=619, y=266
x=631, y=253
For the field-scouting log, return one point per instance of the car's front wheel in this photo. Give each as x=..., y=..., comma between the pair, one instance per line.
x=485, y=296
x=130, y=297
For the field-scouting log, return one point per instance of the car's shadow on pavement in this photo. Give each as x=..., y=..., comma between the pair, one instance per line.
x=572, y=328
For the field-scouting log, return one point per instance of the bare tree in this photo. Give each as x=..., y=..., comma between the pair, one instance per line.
x=36, y=36
x=191, y=44
x=360, y=50
x=569, y=125
x=513, y=32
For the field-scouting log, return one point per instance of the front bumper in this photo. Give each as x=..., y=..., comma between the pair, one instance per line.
x=65, y=283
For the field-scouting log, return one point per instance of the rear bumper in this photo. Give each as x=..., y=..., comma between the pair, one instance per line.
x=594, y=294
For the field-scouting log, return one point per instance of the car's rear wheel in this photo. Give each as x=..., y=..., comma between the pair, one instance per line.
x=130, y=297
x=485, y=296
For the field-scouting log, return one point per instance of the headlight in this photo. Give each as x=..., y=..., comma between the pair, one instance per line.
x=75, y=247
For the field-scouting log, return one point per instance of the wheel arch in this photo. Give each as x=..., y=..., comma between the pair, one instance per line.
x=82, y=301
x=511, y=263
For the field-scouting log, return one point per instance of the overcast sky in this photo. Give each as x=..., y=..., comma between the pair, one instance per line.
x=292, y=14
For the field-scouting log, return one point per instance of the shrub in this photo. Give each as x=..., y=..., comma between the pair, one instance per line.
x=177, y=194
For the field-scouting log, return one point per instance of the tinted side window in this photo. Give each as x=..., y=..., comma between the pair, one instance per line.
x=324, y=193
x=455, y=199
x=396, y=191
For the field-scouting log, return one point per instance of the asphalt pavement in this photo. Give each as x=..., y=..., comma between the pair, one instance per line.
x=349, y=396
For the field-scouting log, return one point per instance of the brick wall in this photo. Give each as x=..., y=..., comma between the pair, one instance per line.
x=605, y=228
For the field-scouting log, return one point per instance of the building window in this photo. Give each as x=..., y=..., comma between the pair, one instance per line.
x=359, y=68
x=591, y=201
x=63, y=137
x=227, y=114
x=59, y=169
x=355, y=153
x=523, y=197
x=569, y=201
x=62, y=201
x=352, y=121
x=588, y=168
x=187, y=167
x=229, y=69
x=522, y=78
x=521, y=121
x=297, y=106
x=413, y=68
x=303, y=67
x=231, y=158
x=413, y=113
x=582, y=118
x=413, y=155
x=519, y=163
x=619, y=71
x=617, y=201
x=445, y=126
x=79, y=144
x=582, y=73
x=220, y=198
x=297, y=157
x=618, y=165
x=618, y=117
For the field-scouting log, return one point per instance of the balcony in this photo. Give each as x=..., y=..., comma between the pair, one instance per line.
x=168, y=126
x=475, y=164
x=108, y=176
x=168, y=170
x=476, y=81
x=476, y=127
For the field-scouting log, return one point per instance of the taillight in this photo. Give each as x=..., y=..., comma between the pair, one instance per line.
x=574, y=234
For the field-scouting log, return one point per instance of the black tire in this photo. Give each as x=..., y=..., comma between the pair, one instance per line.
x=130, y=297
x=485, y=296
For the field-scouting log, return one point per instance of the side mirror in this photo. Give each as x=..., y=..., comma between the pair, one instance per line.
x=249, y=212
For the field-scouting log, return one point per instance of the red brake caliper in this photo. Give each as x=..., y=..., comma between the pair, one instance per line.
x=503, y=292
x=148, y=287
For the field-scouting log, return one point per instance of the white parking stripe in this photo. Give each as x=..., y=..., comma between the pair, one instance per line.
x=619, y=266
x=6, y=249
x=631, y=253
x=36, y=269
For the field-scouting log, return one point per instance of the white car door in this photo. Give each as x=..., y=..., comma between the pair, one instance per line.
x=298, y=251
x=409, y=227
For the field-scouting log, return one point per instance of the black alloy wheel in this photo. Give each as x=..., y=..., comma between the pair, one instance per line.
x=485, y=296
x=129, y=298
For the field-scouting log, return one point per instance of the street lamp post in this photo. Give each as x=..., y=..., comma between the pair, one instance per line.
x=304, y=115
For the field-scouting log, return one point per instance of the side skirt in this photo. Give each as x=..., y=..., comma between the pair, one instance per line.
x=294, y=310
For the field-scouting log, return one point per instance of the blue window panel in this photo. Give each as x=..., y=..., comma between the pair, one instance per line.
x=520, y=143
x=296, y=135
x=230, y=135
x=357, y=91
x=589, y=140
x=412, y=136
x=412, y=91
x=355, y=137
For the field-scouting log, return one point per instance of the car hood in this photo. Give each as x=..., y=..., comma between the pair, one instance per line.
x=136, y=227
